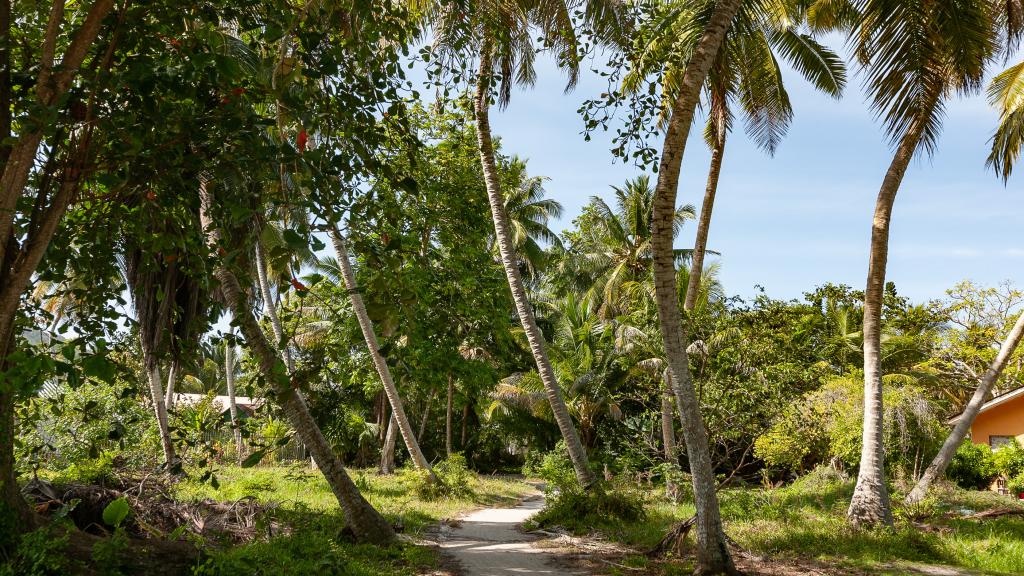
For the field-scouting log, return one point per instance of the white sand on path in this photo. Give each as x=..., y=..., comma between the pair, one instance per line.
x=488, y=544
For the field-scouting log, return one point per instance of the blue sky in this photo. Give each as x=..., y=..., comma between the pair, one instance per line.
x=803, y=218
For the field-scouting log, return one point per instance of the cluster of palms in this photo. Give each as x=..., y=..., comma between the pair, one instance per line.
x=627, y=297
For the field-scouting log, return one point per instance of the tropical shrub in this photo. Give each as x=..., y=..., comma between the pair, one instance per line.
x=973, y=466
x=582, y=511
x=1009, y=459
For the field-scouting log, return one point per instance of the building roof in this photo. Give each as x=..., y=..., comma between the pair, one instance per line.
x=998, y=400
x=220, y=402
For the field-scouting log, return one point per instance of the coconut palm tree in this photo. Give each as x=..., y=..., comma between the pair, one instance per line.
x=1006, y=93
x=615, y=250
x=915, y=55
x=229, y=377
x=529, y=213
x=366, y=325
x=501, y=35
x=367, y=524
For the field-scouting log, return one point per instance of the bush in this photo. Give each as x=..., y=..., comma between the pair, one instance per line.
x=556, y=470
x=39, y=553
x=454, y=480
x=1009, y=459
x=1016, y=485
x=973, y=466
x=601, y=506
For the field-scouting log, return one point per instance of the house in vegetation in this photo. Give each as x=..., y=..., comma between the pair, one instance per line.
x=1000, y=420
x=246, y=406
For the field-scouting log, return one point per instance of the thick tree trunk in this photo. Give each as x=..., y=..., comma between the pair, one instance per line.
x=229, y=377
x=668, y=432
x=156, y=394
x=387, y=454
x=938, y=466
x=700, y=244
x=870, y=503
x=366, y=325
x=172, y=376
x=712, y=551
x=502, y=235
x=367, y=524
x=448, y=417
x=13, y=507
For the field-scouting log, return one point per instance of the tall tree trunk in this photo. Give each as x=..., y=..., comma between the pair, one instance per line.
x=712, y=551
x=229, y=377
x=426, y=415
x=870, y=503
x=13, y=507
x=668, y=432
x=465, y=421
x=367, y=524
x=700, y=244
x=502, y=235
x=387, y=454
x=172, y=376
x=269, y=309
x=938, y=466
x=156, y=392
x=448, y=417
x=379, y=362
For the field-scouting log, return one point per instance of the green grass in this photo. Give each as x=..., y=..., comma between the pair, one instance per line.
x=806, y=521
x=305, y=503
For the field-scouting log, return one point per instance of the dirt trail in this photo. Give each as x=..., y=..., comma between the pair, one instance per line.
x=488, y=544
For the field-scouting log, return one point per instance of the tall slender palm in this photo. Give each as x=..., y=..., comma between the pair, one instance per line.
x=366, y=325
x=915, y=54
x=712, y=550
x=501, y=35
x=229, y=377
x=367, y=524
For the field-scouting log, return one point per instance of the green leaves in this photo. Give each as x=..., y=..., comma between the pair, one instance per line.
x=116, y=512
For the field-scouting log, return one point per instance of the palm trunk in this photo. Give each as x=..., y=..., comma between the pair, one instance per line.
x=387, y=454
x=159, y=409
x=515, y=281
x=870, y=503
x=700, y=244
x=172, y=375
x=712, y=550
x=448, y=417
x=367, y=524
x=379, y=363
x=229, y=376
x=269, y=309
x=426, y=415
x=668, y=433
x=938, y=466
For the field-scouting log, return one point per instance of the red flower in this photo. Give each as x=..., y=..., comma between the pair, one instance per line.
x=151, y=196
x=300, y=140
x=299, y=285
x=238, y=91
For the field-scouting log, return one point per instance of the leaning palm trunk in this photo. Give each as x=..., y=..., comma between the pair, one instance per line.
x=712, y=551
x=229, y=376
x=379, y=362
x=387, y=455
x=956, y=437
x=870, y=503
x=515, y=281
x=700, y=244
x=366, y=523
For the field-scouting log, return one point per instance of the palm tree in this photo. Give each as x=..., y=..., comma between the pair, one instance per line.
x=1006, y=93
x=712, y=551
x=367, y=524
x=915, y=55
x=501, y=34
x=366, y=325
x=229, y=377
x=529, y=213
x=616, y=250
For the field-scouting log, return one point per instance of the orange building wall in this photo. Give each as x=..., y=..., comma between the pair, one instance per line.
x=1003, y=420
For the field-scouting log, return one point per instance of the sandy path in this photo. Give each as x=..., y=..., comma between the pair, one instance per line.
x=488, y=544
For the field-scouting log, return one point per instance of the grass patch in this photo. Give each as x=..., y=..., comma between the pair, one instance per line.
x=807, y=521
